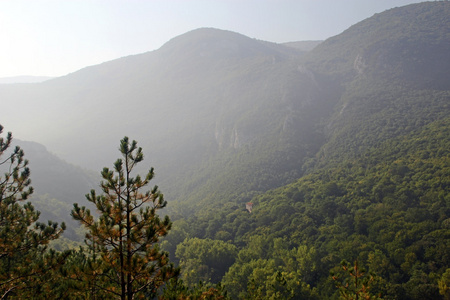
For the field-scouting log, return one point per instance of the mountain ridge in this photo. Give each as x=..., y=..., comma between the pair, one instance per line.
x=269, y=97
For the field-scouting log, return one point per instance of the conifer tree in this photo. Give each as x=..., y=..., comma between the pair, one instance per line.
x=24, y=258
x=355, y=284
x=124, y=237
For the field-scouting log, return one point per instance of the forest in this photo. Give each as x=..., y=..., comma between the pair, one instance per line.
x=386, y=212
x=278, y=173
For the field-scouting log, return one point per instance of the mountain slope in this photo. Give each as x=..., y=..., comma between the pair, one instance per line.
x=409, y=44
x=195, y=105
x=222, y=116
x=389, y=210
x=168, y=90
x=376, y=191
x=57, y=185
x=393, y=70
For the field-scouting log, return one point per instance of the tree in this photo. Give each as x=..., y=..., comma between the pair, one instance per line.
x=176, y=289
x=444, y=284
x=126, y=233
x=24, y=258
x=354, y=284
x=205, y=259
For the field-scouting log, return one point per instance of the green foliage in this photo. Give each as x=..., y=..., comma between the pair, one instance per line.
x=204, y=259
x=125, y=259
x=24, y=259
x=388, y=209
x=444, y=284
x=177, y=290
x=354, y=283
x=268, y=269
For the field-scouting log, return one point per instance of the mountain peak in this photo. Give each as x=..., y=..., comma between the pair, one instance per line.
x=215, y=43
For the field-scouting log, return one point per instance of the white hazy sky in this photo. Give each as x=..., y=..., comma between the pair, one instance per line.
x=57, y=37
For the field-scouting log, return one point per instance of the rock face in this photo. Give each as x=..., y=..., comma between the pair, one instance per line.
x=359, y=65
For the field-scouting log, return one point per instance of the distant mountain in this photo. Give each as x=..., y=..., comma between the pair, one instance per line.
x=197, y=103
x=195, y=76
x=24, y=79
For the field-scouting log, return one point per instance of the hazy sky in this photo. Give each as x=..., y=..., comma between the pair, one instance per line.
x=56, y=37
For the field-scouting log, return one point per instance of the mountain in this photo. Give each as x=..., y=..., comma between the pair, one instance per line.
x=392, y=43
x=376, y=191
x=393, y=70
x=197, y=103
x=177, y=87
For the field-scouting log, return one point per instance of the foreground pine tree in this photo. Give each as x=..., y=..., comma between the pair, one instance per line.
x=126, y=260
x=24, y=259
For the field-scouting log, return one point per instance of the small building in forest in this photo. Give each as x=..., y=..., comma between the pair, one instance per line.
x=249, y=206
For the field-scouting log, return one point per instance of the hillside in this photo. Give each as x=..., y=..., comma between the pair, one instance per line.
x=57, y=185
x=197, y=103
x=376, y=191
x=393, y=69
x=191, y=82
x=389, y=210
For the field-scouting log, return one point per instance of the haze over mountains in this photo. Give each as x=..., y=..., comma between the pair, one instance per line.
x=202, y=94
x=224, y=119
x=212, y=95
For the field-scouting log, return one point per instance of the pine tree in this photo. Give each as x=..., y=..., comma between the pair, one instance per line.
x=124, y=238
x=355, y=284
x=24, y=258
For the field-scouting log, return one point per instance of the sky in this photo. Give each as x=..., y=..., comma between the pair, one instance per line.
x=57, y=37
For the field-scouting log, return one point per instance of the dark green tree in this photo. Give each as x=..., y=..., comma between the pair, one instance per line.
x=24, y=259
x=124, y=238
